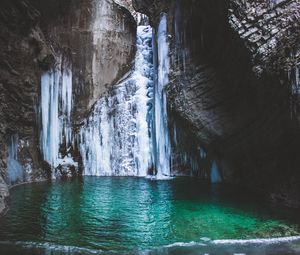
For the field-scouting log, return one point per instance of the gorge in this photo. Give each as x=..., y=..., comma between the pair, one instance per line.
x=199, y=99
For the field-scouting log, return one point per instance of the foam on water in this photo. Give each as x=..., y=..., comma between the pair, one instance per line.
x=52, y=248
x=258, y=241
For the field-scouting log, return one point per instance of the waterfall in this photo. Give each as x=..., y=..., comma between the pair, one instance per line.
x=162, y=137
x=55, y=111
x=116, y=138
x=126, y=133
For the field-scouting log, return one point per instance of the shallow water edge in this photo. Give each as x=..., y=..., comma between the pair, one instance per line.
x=143, y=216
x=277, y=246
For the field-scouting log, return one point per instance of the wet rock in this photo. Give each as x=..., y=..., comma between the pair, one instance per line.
x=232, y=73
x=22, y=42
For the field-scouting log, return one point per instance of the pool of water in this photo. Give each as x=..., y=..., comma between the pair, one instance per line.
x=133, y=215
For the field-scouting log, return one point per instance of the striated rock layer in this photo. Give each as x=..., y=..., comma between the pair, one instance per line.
x=234, y=81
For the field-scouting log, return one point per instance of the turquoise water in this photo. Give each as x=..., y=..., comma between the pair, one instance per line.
x=135, y=214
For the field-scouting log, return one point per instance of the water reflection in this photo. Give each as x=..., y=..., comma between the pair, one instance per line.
x=134, y=215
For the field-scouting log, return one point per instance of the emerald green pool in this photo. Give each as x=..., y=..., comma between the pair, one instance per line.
x=135, y=214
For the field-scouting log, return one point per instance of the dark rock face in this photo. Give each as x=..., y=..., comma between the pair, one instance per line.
x=22, y=49
x=151, y=8
x=229, y=80
x=99, y=41
x=99, y=38
x=269, y=30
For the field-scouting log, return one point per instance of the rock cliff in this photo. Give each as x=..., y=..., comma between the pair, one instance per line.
x=234, y=78
x=234, y=81
x=98, y=38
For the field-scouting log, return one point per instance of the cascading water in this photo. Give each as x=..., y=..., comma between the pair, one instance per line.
x=162, y=136
x=55, y=110
x=127, y=132
x=116, y=138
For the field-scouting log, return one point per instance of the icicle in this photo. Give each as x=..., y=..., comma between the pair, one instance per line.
x=95, y=144
x=202, y=153
x=15, y=170
x=55, y=108
x=116, y=139
x=175, y=134
x=163, y=146
x=297, y=79
x=215, y=173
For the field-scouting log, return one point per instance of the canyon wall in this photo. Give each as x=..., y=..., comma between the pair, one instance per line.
x=97, y=38
x=234, y=81
x=233, y=94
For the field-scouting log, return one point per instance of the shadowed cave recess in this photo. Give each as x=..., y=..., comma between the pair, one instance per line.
x=167, y=127
x=155, y=89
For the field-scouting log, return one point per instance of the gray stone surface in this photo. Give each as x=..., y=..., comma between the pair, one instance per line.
x=100, y=41
x=231, y=62
x=268, y=29
x=100, y=37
